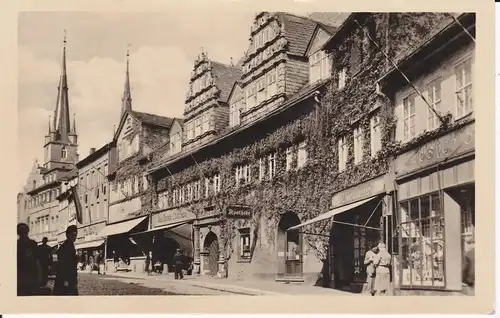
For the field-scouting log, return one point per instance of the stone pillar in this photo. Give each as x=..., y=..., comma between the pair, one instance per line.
x=222, y=273
x=196, y=261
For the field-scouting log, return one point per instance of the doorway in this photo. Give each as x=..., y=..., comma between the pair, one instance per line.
x=289, y=245
x=211, y=246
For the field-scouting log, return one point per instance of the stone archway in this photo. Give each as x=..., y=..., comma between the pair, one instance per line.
x=211, y=247
x=289, y=246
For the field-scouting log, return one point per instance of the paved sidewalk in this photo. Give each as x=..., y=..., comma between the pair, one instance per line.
x=257, y=287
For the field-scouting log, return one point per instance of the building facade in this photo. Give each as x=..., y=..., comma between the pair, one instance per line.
x=41, y=208
x=138, y=136
x=434, y=166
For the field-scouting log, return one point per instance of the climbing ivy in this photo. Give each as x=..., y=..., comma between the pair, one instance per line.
x=308, y=191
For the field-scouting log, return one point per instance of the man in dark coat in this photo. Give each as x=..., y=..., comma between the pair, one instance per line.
x=28, y=266
x=66, y=283
x=45, y=258
x=178, y=264
x=468, y=269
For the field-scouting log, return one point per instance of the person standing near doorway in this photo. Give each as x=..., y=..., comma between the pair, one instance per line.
x=382, y=262
x=66, y=283
x=45, y=259
x=178, y=263
x=370, y=271
x=28, y=266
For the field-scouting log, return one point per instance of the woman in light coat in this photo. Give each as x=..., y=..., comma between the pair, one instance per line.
x=382, y=263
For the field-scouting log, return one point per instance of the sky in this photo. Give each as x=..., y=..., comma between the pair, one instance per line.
x=163, y=47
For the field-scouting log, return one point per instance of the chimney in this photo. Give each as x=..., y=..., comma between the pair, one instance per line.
x=91, y=151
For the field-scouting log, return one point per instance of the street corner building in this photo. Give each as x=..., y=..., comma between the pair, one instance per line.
x=332, y=133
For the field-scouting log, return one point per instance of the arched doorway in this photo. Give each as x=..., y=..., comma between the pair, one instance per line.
x=289, y=246
x=211, y=246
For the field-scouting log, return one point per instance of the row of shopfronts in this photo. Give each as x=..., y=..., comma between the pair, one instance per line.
x=422, y=209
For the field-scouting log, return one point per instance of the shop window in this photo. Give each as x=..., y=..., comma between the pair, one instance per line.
x=244, y=244
x=422, y=242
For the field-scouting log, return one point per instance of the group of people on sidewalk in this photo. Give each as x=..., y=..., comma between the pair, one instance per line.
x=33, y=265
x=179, y=264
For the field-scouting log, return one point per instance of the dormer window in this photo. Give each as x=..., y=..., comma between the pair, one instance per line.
x=64, y=153
x=234, y=114
x=319, y=66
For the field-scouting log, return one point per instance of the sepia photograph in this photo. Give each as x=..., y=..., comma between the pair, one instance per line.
x=308, y=152
x=322, y=153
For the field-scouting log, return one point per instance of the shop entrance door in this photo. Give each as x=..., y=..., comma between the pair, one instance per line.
x=212, y=247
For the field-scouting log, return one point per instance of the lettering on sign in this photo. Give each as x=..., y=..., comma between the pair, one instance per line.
x=172, y=216
x=359, y=192
x=239, y=212
x=452, y=144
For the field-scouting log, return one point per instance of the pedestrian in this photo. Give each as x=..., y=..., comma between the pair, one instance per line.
x=178, y=263
x=116, y=260
x=468, y=266
x=382, y=263
x=45, y=259
x=28, y=265
x=98, y=260
x=66, y=283
x=147, y=264
x=370, y=271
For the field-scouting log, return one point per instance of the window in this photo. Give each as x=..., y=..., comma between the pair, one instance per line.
x=358, y=145
x=207, y=187
x=182, y=195
x=342, y=78
x=189, y=195
x=244, y=246
x=251, y=96
x=189, y=131
x=434, y=99
x=197, y=189
x=289, y=158
x=206, y=123
x=463, y=88
x=409, y=117
x=176, y=142
x=242, y=174
x=272, y=165
x=175, y=197
x=342, y=145
x=261, y=90
x=262, y=169
x=217, y=185
x=234, y=114
x=375, y=135
x=356, y=54
x=197, y=130
x=319, y=66
x=422, y=238
x=64, y=153
x=272, y=85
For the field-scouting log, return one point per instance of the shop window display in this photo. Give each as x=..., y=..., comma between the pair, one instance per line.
x=422, y=241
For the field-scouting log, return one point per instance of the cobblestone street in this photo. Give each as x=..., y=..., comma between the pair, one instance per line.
x=94, y=285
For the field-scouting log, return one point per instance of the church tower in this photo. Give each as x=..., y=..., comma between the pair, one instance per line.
x=127, y=96
x=61, y=142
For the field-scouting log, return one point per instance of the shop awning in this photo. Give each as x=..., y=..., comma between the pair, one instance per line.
x=163, y=227
x=89, y=244
x=119, y=228
x=334, y=212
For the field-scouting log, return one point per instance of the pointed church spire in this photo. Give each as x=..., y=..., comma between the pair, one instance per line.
x=73, y=127
x=61, y=113
x=50, y=126
x=127, y=97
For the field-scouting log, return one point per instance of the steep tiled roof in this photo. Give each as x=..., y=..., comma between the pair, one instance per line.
x=332, y=20
x=298, y=31
x=225, y=76
x=150, y=119
x=70, y=175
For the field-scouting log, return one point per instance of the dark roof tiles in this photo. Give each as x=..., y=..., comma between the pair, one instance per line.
x=150, y=119
x=225, y=76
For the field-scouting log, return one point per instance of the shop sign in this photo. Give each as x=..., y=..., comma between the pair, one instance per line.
x=452, y=144
x=359, y=192
x=172, y=216
x=91, y=230
x=238, y=212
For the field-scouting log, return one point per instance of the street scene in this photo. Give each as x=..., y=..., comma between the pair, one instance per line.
x=273, y=153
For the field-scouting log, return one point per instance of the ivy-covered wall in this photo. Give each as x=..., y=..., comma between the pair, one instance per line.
x=306, y=191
